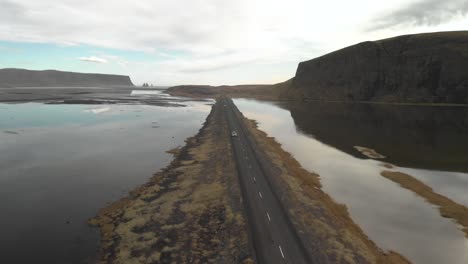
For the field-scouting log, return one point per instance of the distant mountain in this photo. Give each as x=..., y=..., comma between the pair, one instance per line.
x=52, y=78
x=422, y=68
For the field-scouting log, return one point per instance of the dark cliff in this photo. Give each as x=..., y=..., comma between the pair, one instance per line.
x=423, y=68
x=52, y=78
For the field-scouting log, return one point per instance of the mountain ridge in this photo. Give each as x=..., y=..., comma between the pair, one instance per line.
x=418, y=68
x=14, y=77
x=426, y=68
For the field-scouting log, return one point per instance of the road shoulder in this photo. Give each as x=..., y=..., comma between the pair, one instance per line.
x=190, y=212
x=324, y=226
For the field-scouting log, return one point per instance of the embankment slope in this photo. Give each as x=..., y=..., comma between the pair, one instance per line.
x=190, y=212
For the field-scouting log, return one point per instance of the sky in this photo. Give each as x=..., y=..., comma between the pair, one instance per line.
x=204, y=41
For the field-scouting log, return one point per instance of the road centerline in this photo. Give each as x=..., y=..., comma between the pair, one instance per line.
x=281, y=231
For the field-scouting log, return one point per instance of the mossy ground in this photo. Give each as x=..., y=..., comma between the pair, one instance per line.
x=191, y=212
x=324, y=226
x=447, y=207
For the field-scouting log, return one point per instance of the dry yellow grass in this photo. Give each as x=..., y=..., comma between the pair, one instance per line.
x=190, y=212
x=258, y=91
x=174, y=151
x=447, y=207
x=326, y=227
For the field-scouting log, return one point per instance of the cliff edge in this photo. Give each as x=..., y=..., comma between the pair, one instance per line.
x=52, y=78
x=422, y=68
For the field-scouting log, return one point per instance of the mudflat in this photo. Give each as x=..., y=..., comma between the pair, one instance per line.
x=88, y=95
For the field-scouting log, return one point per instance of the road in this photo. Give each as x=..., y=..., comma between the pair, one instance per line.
x=273, y=237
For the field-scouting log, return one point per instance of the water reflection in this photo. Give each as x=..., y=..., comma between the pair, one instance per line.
x=60, y=163
x=410, y=136
x=322, y=138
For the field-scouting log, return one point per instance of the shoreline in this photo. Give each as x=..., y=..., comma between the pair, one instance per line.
x=89, y=96
x=190, y=211
x=273, y=93
x=168, y=216
x=447, y=208
x=326, y=226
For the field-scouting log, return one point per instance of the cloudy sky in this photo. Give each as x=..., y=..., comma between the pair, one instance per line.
x=204, y=41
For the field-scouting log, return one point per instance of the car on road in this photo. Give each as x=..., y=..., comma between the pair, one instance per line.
x=234, y=134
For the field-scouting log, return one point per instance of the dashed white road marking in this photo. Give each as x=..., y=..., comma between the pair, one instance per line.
x=281, y=251
x=268, y=215
x=260, y=194
x=255, y=179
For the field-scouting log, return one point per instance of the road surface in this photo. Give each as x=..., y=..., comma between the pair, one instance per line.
x=274, y=239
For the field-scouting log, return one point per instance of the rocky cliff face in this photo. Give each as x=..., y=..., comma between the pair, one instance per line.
x=423, y=68
x=51, y=78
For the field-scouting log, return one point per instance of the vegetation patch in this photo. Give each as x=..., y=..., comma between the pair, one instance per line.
x=324, y=226
x=447, y=207
x=190, y=212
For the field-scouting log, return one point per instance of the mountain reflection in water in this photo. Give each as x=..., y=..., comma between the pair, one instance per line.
x=423, y=137
x=428, y=143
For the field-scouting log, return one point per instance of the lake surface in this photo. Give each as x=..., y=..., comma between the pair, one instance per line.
x=429, y=143
x=60, y=163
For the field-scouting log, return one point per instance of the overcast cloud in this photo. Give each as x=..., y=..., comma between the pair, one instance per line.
x=214, y=41
x=93, y=59
x=425, y=12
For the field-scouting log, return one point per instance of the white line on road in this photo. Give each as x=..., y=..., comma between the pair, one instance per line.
x=260, y=194
x=268, y=215
x=255, y=180
x=281, y=251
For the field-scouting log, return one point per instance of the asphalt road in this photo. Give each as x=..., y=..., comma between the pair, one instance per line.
x=273, y=236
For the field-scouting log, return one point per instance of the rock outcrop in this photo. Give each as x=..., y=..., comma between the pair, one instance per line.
x=52, y=78
x=422, y=68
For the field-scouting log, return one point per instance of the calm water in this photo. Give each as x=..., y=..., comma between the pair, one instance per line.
x=60, y=163
x=428, y=143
